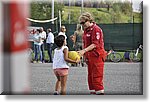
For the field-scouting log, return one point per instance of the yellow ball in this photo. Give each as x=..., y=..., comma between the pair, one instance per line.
x=73, y=55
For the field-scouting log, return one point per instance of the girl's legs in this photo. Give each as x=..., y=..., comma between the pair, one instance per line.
x=57, y=86
x=61, y=75
x=63, y=80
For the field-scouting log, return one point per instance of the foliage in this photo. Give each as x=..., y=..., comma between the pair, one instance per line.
x=42, y=10
x=126, y=8
x=112, y=12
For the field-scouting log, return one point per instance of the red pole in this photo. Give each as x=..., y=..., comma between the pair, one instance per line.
x=16, y=67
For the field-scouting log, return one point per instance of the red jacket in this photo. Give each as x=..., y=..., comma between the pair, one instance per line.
x=94, y=35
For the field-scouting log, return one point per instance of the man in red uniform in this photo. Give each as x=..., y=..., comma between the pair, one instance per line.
x=94, y=53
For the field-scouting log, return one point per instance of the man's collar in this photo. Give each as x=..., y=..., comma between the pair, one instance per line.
x=90, y=27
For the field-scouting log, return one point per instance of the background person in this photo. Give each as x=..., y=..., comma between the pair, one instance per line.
x=94, y=53
x=77, y=40
x=43, y=36
x=50, y=42
x=63, y=31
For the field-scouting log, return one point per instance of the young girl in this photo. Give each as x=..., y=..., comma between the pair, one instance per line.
x=59, y=64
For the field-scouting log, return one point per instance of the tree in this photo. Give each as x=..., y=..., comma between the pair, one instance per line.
x=74, y=17
x=109, y=4
x=42, y=10
x=126, y=8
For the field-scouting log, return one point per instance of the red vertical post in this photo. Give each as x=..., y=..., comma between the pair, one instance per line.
x=16, y=67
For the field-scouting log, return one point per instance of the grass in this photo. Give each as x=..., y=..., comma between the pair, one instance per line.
x=121, y=53
x=101, y=15
x=46, y=55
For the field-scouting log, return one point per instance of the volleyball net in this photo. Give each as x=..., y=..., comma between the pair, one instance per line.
x=42, y=21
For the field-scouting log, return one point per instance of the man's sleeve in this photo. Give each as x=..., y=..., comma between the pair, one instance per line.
x=45, y=35
x=97, y=37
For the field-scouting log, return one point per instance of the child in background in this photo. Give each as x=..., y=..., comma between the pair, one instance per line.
x=60, y=64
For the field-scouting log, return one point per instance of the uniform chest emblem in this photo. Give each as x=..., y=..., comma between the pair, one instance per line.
x=88, y=35
x=98, y=35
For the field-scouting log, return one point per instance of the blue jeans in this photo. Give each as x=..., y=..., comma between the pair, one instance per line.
x=42, y=49
x=49, y=48
x=37, y=50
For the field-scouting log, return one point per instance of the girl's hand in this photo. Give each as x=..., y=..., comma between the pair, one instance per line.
x=77, y=60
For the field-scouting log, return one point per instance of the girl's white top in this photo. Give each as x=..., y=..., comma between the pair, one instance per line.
x=58, y=61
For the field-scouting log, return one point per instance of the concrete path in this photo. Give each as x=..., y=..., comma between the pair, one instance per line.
x=119, y=79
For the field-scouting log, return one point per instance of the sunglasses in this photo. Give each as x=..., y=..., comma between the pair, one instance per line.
x=82, y=23
x=63, y=28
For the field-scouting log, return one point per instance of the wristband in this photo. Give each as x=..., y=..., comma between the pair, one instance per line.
x=84, y=50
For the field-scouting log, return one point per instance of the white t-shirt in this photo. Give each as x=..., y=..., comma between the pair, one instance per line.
x=36, y=37
x=58, y=61
x=62, y=33
x=50, y=38
x=43, y=35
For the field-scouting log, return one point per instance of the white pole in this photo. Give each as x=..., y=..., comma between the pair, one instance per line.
x=59, y=18
x=69, y=12
x=131, y=12
x=82, y=7
x=52, y=11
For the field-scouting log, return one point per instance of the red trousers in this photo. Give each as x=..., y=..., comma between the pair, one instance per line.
x=95, y=73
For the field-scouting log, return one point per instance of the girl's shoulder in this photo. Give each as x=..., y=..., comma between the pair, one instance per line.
x=56, y=49
x=63, y=47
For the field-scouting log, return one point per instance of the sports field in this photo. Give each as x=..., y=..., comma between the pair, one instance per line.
x=120, y=79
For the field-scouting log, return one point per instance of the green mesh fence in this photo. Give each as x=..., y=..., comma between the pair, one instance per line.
x=124, y=36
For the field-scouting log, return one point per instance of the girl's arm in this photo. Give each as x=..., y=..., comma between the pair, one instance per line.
x=68, y=59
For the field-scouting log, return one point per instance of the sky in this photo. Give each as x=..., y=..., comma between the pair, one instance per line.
x=136, y=4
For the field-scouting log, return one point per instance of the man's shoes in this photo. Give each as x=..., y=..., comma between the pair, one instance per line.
x=92, y=93
x=50, y=61
x=55, y=93
x=100, y=94
x=40, y=62
x=34, y=61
